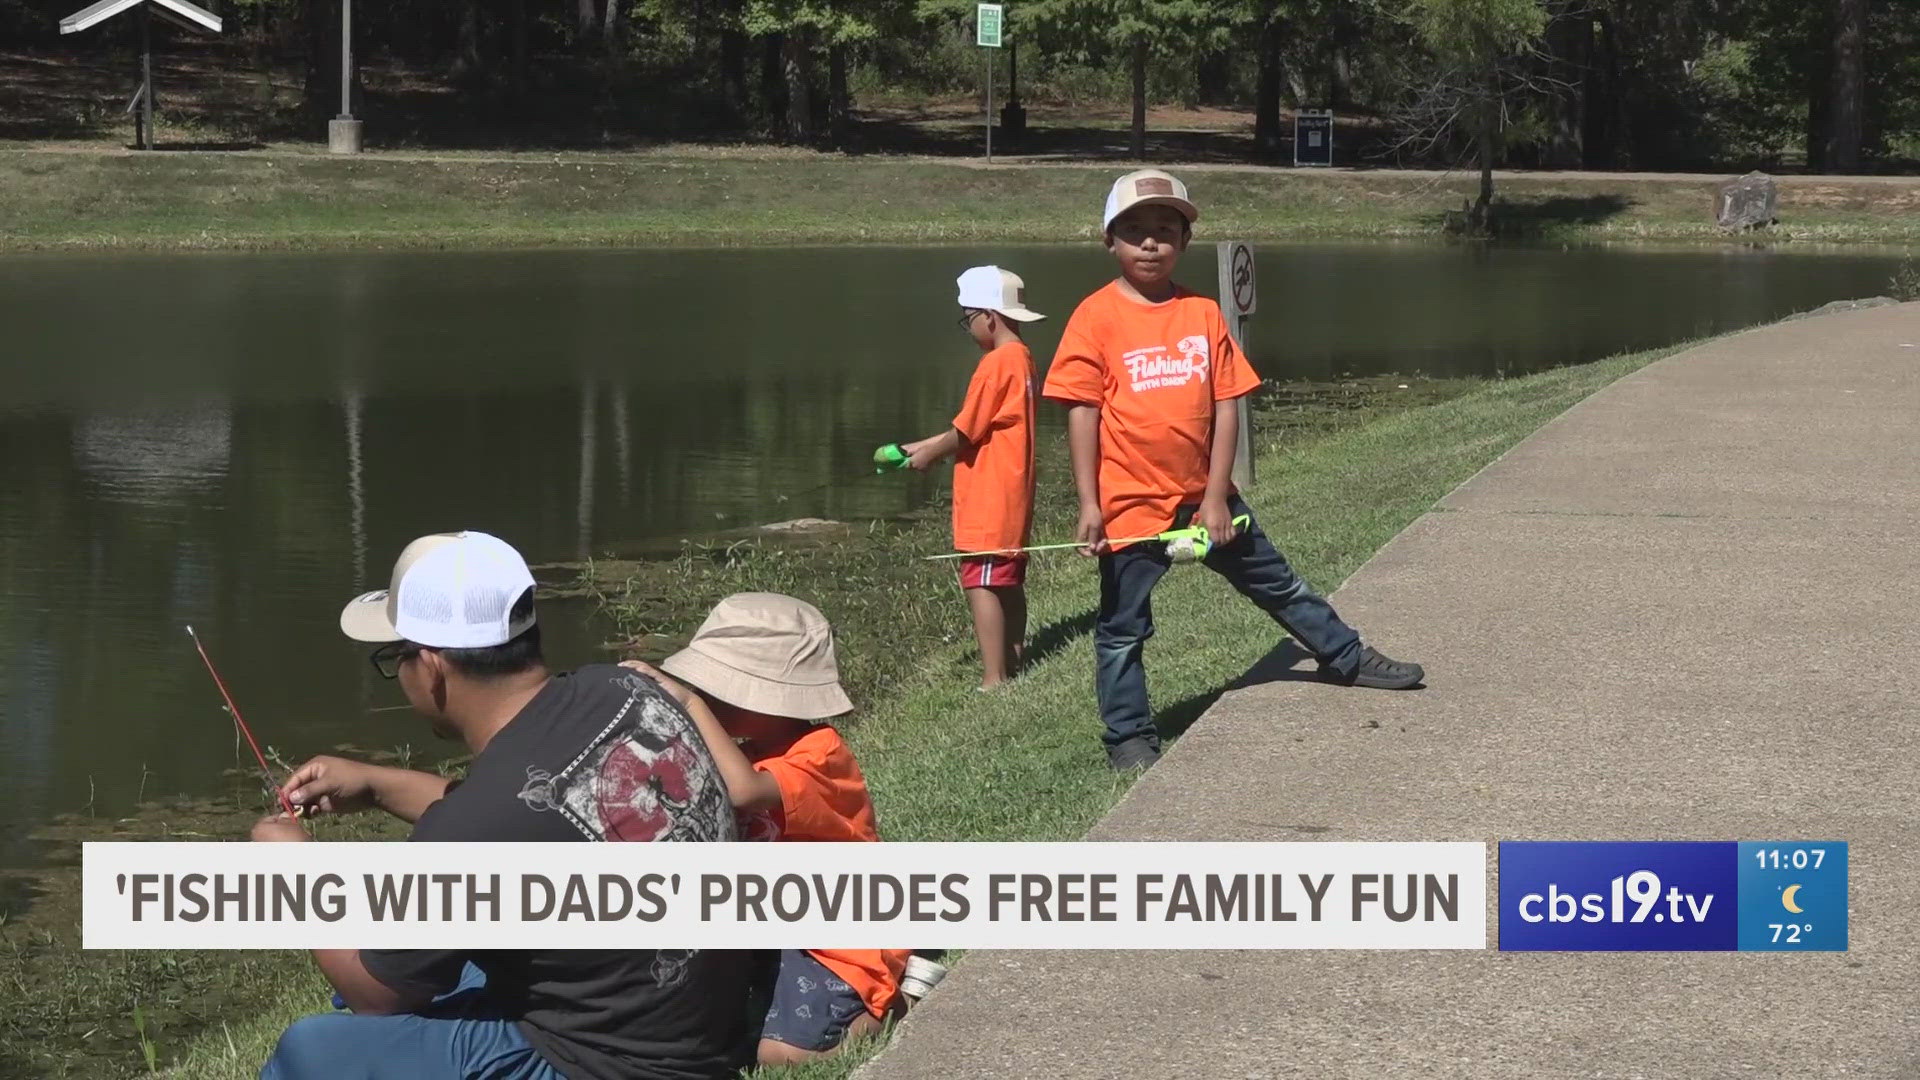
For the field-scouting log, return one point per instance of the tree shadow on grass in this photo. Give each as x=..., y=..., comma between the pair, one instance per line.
x=1530, y=218
x=196, y=147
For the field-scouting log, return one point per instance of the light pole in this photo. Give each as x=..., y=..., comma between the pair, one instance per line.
x=344, y=132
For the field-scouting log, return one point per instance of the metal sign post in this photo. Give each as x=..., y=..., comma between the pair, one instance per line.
x=1237, y=303
x=986, y=23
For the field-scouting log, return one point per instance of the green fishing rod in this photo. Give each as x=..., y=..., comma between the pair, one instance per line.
x=1190, y=544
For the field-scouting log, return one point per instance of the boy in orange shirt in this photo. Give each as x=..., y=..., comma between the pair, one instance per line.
x=1149, y=375
x=992, y=442
x=761, y=669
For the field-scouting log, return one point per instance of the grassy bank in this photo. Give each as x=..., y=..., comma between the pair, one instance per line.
x=1341, y=470
x=92, y=200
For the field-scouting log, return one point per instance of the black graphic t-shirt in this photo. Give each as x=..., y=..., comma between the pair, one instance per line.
x=601, y=754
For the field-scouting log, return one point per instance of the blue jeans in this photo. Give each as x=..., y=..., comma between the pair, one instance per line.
x=1251, y=564
x=453, y=1038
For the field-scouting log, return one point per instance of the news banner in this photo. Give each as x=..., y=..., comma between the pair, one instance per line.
x=1748, y=896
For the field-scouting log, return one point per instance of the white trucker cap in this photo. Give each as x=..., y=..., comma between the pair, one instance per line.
x=449, y=591
x=1147, y=187
x=990, y=288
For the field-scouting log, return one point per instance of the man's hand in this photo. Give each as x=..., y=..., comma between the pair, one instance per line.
x=331, y=785
x=1091, y=532
x=278, y=828
x=1217, y=520
x=675, y=689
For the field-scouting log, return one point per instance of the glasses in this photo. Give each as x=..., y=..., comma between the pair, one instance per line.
x=387, y=658
x=967, y=317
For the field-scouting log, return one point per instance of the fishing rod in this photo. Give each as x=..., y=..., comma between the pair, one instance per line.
x=265, y=771
x=1190, y=544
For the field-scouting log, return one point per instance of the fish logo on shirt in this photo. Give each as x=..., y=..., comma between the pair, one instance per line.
x=1198, y=352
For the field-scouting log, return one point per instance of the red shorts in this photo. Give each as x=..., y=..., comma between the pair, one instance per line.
x=993, y=571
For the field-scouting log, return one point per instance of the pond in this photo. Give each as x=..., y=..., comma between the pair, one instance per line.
x=242, y=442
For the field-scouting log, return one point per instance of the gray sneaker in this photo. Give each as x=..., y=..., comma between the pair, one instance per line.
x=1380, y=672
x=1135, y=754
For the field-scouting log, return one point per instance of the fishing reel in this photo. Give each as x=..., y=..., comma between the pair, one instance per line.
x=890, y=458
x=1192, y=543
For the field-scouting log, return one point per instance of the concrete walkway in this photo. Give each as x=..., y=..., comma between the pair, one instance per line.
x=1688, y=609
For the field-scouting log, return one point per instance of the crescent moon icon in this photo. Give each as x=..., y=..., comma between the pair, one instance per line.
x=1786, y=898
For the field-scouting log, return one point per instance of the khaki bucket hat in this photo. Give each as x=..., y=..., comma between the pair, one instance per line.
x=766, y=652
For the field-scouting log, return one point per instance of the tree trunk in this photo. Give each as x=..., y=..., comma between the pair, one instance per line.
x=610, y=28
x=839, y=102
x=796, y=65
x=1844, y=126
x=517, y=31
x=1480, y=217
x=733, y=68
x=322, y=23
x=466, y=55
x=1139, y=98
x=263, y=65
x=1211, y=77
x=1267, y=134
x=1601, y=95
x=586, y=15
x=773, y=83
x=1570, y=42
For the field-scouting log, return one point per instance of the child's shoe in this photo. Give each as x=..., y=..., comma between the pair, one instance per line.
x=1139, y=752
x=921, y=976
x=1379, y=672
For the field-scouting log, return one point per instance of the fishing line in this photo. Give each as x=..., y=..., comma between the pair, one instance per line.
x=888, y=458
x=241, y=724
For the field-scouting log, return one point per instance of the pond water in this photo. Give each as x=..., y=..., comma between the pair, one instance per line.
x=242, y=442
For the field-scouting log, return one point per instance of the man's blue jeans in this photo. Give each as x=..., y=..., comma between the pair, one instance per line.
x=1251, y=564
x=454, y=1038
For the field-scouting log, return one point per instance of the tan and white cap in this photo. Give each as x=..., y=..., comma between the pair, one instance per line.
x=449, y=591
x=766, y=652
x=1147, y=187
x=989, y=288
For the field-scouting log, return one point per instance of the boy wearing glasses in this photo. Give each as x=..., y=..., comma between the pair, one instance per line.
x=602, y=754
x=991, y=441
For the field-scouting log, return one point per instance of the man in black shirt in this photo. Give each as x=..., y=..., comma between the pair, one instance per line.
x=601, y=754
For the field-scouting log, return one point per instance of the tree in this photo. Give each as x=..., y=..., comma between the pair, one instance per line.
x=1482, y=52
x=1848, y=96
x=1096, y=30
x=803, y=28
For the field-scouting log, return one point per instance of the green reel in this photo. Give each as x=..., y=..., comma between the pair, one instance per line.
x=890, y=458
x=1192, y=544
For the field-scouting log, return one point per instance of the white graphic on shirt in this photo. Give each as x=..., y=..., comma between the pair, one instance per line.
x=646, y=776
x=1155, y=367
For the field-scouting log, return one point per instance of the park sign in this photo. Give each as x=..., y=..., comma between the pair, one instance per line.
x=1313, y=137
x=987, y=25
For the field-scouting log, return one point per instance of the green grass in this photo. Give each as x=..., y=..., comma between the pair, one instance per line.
x=946, y=762
x=90, y=200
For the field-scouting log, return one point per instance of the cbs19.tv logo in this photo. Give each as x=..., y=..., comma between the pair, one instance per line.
x=1673, y=896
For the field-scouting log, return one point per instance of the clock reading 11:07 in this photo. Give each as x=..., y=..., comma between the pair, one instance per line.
x=1793, y=896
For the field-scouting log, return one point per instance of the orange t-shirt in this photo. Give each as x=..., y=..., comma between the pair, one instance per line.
x=993, y=476
x=823, y=798
x=1155, y=372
